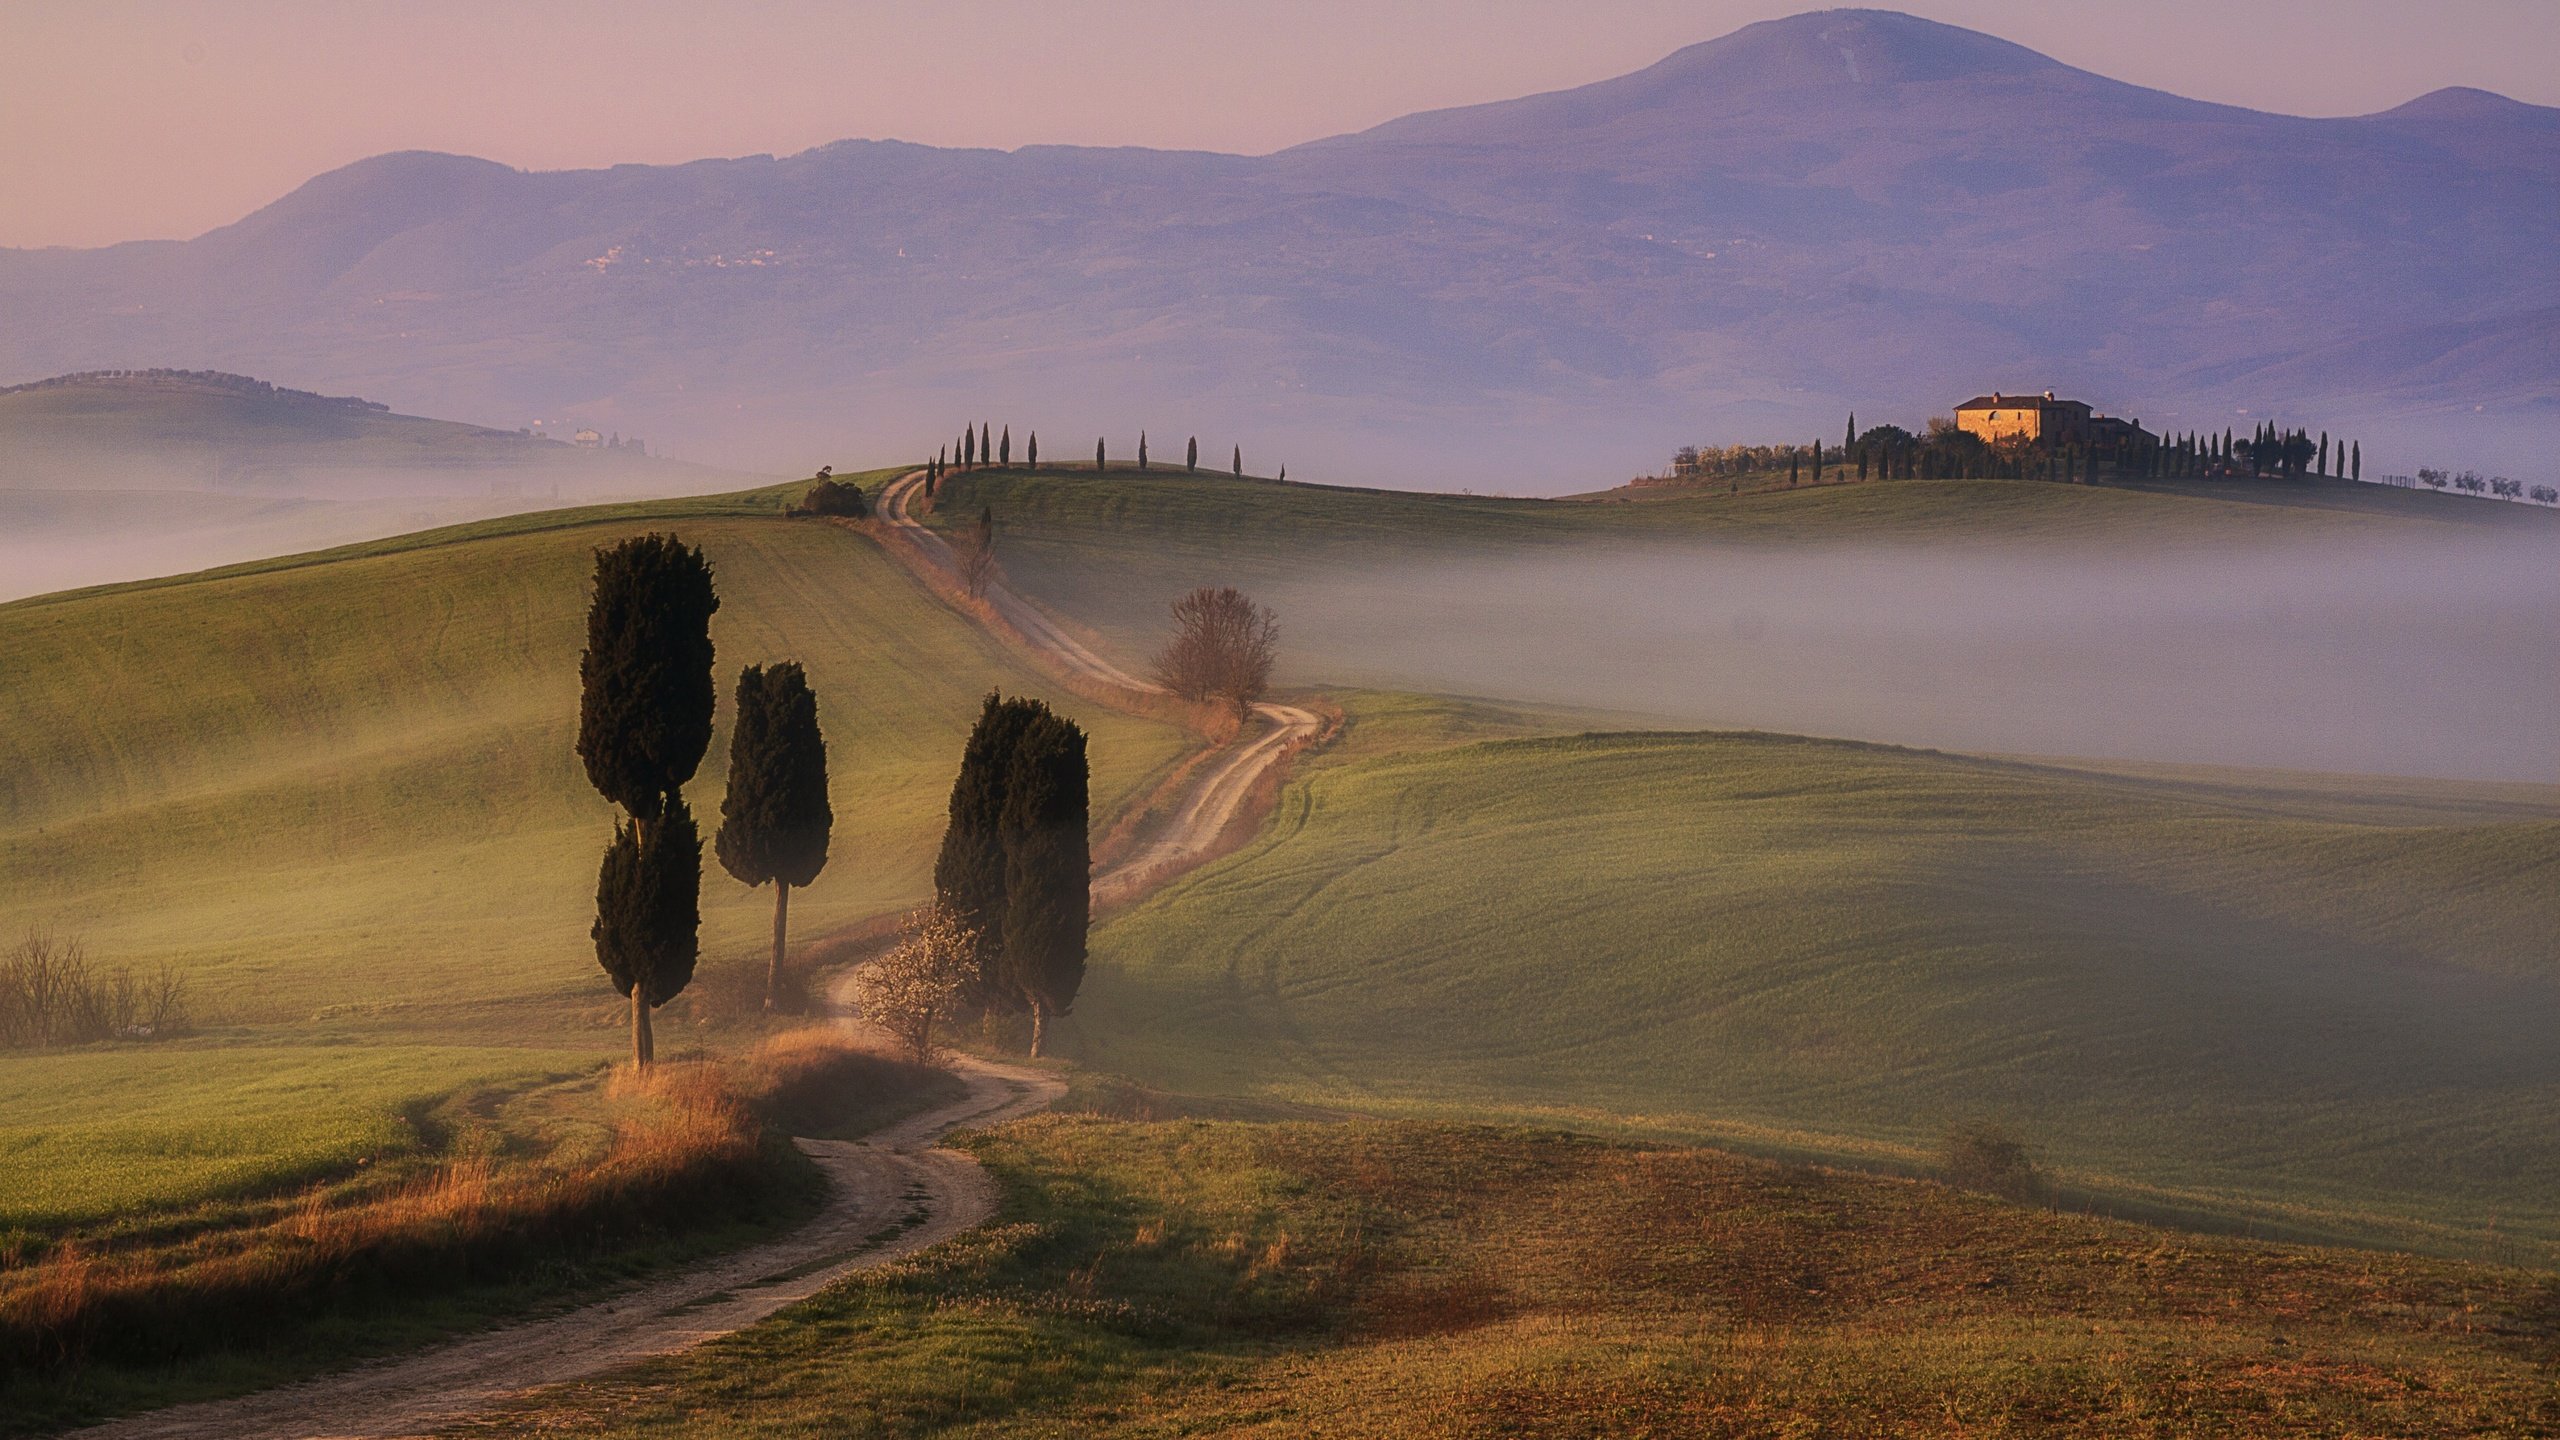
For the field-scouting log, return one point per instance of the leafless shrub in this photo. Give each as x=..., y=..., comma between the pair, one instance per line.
x=917, y=986
x=1223, y=648
x=50, y=994
x=1993, y=1161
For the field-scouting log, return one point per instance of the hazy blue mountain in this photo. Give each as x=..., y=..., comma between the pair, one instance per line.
x=1842, y=208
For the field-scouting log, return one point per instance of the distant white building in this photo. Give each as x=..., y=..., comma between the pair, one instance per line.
x=587, y=440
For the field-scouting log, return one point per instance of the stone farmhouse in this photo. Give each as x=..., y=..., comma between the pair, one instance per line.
x=2044, y=420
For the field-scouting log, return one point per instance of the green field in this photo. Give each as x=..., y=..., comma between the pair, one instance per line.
x=1374, y=1279
x=2319, y=1006
x=337, y=793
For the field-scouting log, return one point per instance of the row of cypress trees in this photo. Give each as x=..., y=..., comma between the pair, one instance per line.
x=981, y=445
x=1016, y=866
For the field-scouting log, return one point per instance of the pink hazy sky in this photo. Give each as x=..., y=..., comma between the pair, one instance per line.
x=133, y=119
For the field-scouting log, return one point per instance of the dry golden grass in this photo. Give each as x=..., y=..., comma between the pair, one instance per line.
x=651, y=1156
x=1402, y=1280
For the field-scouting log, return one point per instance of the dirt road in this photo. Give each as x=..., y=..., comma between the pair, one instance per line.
x=1218, y=792
x=890, y=1195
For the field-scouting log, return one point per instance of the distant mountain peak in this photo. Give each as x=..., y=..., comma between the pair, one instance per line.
x=1859, y=47
x=1836, y=54
x=2465, y=104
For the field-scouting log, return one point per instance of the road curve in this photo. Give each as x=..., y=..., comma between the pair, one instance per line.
x=890, y=1195
x=1218, y=793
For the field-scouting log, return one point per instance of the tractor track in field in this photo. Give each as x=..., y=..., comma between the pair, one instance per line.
x=889, y=1195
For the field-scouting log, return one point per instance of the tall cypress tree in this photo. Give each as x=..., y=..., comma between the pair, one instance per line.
x=775, y=819
x=986, y=449
x=1004, y=447
x=1047, y=868
x=969, y=873
x=1142, y=449
x=1817, y=462
x=2324, y=454
x=1031, y=450
x=1239, y=462
x=644, y=719
x=1097, y=454
x=1850, y=442
x=1191, y=456
x=968, y=446
x=2358, y=472
x=649, y=914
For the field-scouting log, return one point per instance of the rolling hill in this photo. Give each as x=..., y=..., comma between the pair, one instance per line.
x=336, y=794
x=2320, y=1007
x=1844, y=209
x=121, y=475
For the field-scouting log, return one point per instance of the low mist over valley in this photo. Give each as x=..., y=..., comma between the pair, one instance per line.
x=2428, y=656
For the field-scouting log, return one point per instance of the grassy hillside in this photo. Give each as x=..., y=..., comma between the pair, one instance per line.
x=107, y=478
x=2324, y=1005
x=227, y=429
x=337, y=794
x=1420, y=1281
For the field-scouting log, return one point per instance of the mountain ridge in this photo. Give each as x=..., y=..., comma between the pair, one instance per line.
x=1844, y=208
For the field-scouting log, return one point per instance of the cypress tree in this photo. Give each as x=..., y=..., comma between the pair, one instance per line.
x=1004, y=447
x=1142, y=449
x=649, y=915
x=644, y=719
x=986, y=451
x=2324, y=454
x=775, y=819
x=1817, y=462
x=1097, y=454
x=1031, y=450
x=1047, y=868
x=2358, y=472
x=1191, y=456
x=969, y=873
x=1850, y=441
x=644, y=714
x=1792, y=463
x=1239, y=462
x=968, y=446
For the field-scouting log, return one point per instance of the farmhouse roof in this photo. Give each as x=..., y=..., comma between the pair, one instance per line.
x=2013, y=402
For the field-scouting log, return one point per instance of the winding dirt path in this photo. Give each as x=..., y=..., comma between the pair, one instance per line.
x=1218, y=793
x=889, y=1195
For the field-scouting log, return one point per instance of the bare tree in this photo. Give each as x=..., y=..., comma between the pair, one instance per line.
x=1223, y=647
x=978, y=554
x=913, y=989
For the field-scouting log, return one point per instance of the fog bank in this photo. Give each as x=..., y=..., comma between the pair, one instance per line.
x=2435, y=657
